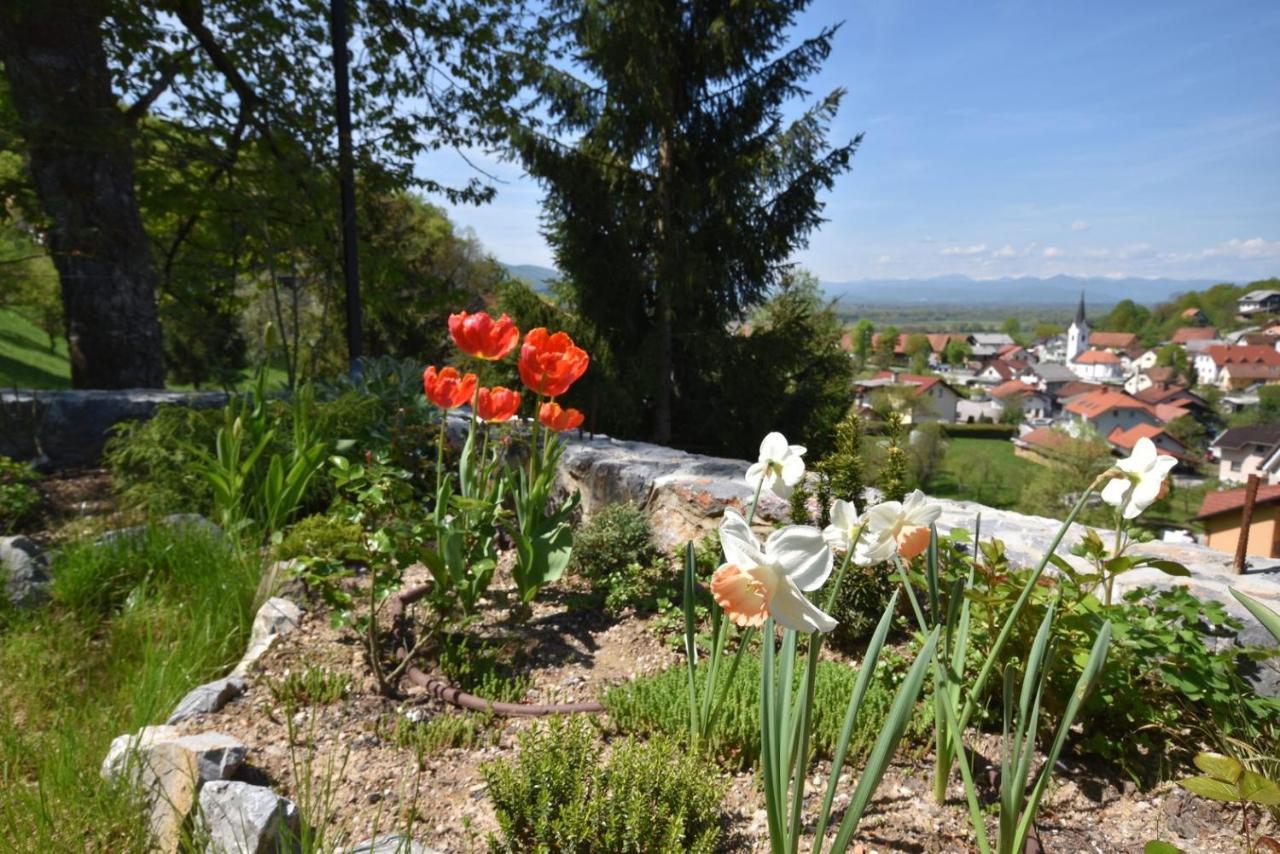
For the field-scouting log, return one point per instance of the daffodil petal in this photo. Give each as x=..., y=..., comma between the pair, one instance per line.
x=801, y=554
x=1116, y=491
x=740, y=545
x=773, y=447
x=792, y=470
x=791, y=609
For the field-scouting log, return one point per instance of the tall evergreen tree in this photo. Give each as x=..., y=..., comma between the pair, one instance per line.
x=676, y=190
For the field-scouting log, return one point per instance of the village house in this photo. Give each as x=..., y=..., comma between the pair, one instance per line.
x=1194, y=316
x=1098, y=366
x=1034, y=403
x=1123, y=442
x=1000, y=371
x=932, y=400
x=1222, y=515
x=1258, y=302
x=1117, y=342
x=1160, y=374
x=1106, y=409
x=1242, y=451
x=1184, y=335
x=1173, y=401
x=1048, y=376
x=1210, y=362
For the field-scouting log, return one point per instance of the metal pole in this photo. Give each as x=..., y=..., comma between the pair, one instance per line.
x=1246, y=519
x=346, y=182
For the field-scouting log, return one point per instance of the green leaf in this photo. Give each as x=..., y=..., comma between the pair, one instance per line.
x=1168, y=567
x=1218, y=766
x=1257, y=789
x=1270, y=619
x=1157, y=846
x=1208, y=787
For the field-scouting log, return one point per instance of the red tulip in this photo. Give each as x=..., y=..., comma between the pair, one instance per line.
x=446, y=389
x=481, y=336
x=555, y=418
x=549, y=364
x=497, y=404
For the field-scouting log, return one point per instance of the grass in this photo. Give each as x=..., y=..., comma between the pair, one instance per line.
x=132, y=627
x=982, y=470
x=26, y=361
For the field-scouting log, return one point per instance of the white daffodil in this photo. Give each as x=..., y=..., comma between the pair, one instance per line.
x=757, y=581
x=1140, y=481
x=848, y=527
x=780, y=466
x=905, y=523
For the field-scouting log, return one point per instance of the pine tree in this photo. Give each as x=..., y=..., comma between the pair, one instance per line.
x=682, y=192
x=844, y=470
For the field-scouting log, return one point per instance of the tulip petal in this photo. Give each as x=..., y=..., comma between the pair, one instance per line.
x=738, y=542
x=801, y=554
x=792, y=610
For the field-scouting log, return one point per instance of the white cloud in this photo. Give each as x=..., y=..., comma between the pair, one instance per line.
x=1005, y=251
x=1080, y=225
x=1052, y=252
x=1254, y=247
x=884, y=259
x=976, y=249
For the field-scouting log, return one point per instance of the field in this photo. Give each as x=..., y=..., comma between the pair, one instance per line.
x=25, y=358
x=982, y=470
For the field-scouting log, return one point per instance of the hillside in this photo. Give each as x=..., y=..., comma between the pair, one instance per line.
x=25, y=358
x=1023, y=290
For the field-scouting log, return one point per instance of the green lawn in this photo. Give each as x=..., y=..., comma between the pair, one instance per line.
x=25, y=358
x=982, y=470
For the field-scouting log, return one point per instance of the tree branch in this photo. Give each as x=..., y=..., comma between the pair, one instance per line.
x=162, y=83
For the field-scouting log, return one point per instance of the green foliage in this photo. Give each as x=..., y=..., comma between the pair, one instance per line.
x=558, y=795
x=864, y=593
x=441, y=732
x=476, y=667
x=658, y=704
x=844, y=468
x=1074, y=463
x=1189, y=431
x=19, y=500
x=895, y=472
x=322, y=536
x=138, y=622
x=542, y=532
x=614, y=551
x=315, y=686
x=862, y=336
x=927, y=448
x=957, y=353
x=151, y=460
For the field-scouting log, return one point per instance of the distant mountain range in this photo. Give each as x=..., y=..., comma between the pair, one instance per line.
x=963, y=290
x=1021, y=290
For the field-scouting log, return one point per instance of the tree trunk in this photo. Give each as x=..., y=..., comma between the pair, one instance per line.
x=79, y=142
x=666, y=277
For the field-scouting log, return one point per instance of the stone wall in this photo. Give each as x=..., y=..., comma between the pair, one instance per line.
x=64, y=429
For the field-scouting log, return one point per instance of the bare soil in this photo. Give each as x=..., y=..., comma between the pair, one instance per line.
x=342, y=765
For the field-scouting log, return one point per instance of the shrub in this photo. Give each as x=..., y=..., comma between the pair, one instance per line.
x=150, y=461
x=558, y=795
x=315, y=686
x=864, y=594
x=19, y=500
x=659, y=705
x=981, y=430
x=614, y=551
x=324, y=537
x=442, y=732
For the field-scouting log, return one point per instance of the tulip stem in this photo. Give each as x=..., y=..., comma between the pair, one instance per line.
x=444, y=422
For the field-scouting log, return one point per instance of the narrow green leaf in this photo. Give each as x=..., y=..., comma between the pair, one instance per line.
x=1269, y=618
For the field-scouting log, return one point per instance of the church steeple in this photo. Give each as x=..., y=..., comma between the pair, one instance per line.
x=1078, y=332
x=1080, y=321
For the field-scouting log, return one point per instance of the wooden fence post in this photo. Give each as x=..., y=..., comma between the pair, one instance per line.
x=1246, y=519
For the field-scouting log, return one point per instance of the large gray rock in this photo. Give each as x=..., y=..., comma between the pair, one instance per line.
x=69, y=428
x=193, y=522
x=239, y=818
x=207, y=698
x=276, y=617
x=169, y=769
x=23, y=571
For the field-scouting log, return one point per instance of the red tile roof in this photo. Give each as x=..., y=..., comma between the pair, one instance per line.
x=1194, y=333
x=1239, y=354
x=1192, y=312
x=1104, y=400
x=1250, y=371
x=1010, y=388
x=1126, y=439
x=1160, y=392
x=1044, y=439
x=1098, y=357
x=1227, y=500
x=1075, y=389
x=1118, y=340
x=1166, y=412
x=918, y=380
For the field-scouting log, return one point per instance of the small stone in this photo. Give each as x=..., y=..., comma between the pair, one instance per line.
x=276, y=617
x=391, y=844
x=23, y=572
x=239, y=818
x=207, y=698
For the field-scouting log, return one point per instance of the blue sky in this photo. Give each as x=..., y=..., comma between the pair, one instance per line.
x=1025, y=138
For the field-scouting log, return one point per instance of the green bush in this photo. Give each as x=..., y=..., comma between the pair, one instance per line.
x=557, y=795
x=864, y=594
x=981, y=430
x=19, y=500
x=151, y=460
x=321, y=536
x=614, y=551
x=659, y=705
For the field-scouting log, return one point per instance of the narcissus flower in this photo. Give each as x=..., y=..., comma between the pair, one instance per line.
x=481, y=336
x=847, y=528
x=555, y=418
x=780, y=466
x=549, y=364
x=757, y=581
x=1139, y=479
x=905, y=522
x=497, y=404
x=446, y=388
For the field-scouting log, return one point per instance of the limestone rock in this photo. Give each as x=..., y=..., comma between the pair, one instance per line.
x=276, y=617
x=207, y=698
x=170, y=769
x=391, y=844
x=239, y=818
x=23, y=572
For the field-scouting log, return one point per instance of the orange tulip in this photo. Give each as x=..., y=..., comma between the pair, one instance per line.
x=497, y=404
x=549, y=364
x=446, y=389
x=481, y=336
x=555, y=418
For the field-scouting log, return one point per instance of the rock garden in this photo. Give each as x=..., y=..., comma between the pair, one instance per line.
x=420, y=612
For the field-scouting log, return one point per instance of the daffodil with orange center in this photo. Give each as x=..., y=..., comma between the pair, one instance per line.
x=905, y=522
x=770, y=580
